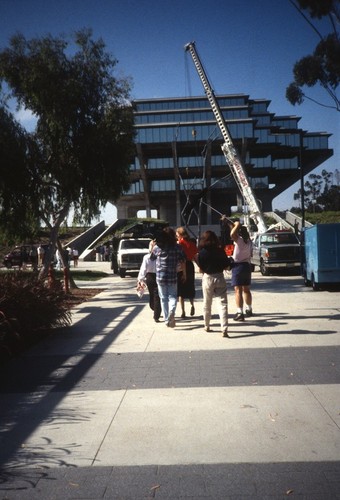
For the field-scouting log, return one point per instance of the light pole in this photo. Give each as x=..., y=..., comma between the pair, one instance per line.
x=302, y=187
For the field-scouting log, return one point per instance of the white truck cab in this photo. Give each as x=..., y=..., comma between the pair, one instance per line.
x=130, y=254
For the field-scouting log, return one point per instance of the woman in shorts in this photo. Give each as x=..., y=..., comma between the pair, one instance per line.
x=241, y=270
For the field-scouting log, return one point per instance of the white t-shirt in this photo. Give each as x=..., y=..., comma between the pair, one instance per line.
x=242, y=251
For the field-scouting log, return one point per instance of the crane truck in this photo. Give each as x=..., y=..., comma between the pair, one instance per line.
x=229, y=151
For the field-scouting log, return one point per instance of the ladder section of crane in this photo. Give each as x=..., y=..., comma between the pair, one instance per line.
x=228, y=147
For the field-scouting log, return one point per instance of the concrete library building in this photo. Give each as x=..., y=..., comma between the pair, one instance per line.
x=179, y=173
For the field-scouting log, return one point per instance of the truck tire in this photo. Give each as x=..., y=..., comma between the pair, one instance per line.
x=306, y=281
x=315, y=285
x=122, y=272
x=264, y=269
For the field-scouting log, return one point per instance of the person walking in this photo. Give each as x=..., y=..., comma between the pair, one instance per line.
x=169, y=257
x=212, y=261
x=186, y=289
x=241, y=270
x=75, y=255
x=147, y=275
x=41, y=254
x=34, y=257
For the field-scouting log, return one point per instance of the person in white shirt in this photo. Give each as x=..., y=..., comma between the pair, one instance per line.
x=241, y=270
x=147, y=275
x=75, y=254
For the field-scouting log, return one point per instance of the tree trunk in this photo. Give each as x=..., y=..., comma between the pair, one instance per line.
x=49, y=256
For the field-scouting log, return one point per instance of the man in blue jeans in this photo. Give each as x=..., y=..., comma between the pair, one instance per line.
x=170, y=258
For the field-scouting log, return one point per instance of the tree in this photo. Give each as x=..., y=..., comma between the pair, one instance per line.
x=80, y=151
x=320, y=193
x=330, y=199
x=323, y=65
x=16, y=220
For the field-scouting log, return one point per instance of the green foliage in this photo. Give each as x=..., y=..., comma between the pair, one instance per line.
x=28, y=306
x=79, y=154
x=330, y=198
x=323, y=65
x=317, y=8
x=17, y=214
x=321, y=217
x=138, y=226
x=33, y=304
x=321, y=192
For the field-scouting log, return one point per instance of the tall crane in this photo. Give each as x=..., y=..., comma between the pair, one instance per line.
x=232, y=158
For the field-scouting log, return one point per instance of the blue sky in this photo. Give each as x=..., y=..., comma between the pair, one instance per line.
x=246, y=46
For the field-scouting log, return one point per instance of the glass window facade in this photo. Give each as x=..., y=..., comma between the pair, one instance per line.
x=289, y=122
x=286, y=163
x=188, y=104
x=263, y=162
x=135, y=188
x=195, y=131
x=162, y=185
x=193, y=116
x=311, y=141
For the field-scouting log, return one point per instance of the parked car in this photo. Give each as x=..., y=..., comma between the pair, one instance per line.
x=21, y=255
x=274, y=251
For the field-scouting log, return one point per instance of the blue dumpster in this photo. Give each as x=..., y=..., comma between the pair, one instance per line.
x=322, y=255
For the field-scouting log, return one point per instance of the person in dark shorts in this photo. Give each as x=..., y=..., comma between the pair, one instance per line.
x=241, y=270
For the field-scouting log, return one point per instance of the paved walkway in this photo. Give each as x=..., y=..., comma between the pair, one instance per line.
x=119, y=407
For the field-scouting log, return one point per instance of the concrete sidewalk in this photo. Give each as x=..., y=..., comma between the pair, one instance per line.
x=120, y=407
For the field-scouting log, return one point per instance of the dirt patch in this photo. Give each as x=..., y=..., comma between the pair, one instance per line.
x=80, y=295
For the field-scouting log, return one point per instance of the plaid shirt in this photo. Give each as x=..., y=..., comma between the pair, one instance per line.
x=167, y=260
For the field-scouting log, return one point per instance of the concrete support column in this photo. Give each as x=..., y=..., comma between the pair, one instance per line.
x=208, y=170
x=144, y=177
x=177, y=185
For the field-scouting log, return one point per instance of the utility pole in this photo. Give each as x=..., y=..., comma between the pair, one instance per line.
x=302, y=187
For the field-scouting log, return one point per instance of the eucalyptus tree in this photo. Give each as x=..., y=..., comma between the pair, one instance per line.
x=320, y=192
x=323, y=65
x=17, y=219
x=78, y=154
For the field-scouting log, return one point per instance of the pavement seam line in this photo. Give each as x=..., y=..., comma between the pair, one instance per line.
x=108, y=428
x=148, y=343
x=322, y=406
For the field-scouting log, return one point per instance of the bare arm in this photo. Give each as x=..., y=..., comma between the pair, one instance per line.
x=234, y=230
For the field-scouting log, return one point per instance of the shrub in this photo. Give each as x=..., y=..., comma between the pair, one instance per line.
x=27, y=307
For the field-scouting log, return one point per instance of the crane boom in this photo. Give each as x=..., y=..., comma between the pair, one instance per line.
x=230, y=153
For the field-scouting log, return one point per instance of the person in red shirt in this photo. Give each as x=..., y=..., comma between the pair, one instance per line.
x=186, y=289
